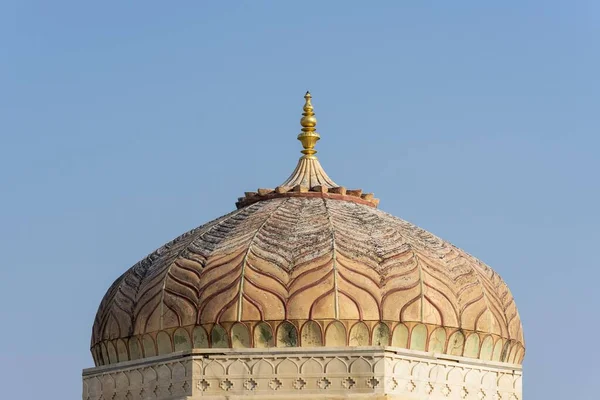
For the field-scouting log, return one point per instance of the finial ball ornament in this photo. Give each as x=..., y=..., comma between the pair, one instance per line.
x=308, y=121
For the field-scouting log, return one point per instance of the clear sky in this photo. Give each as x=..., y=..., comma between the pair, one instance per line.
x=124, y=125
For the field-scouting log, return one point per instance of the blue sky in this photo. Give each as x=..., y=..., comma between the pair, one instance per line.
x=124, y=125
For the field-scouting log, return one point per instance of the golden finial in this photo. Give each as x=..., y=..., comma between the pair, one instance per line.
x=308, y=136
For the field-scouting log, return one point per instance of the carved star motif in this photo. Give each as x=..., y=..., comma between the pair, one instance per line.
x=428, y=388
x=202, y=385
x=299, y=383
x=446, y=390
x=226, y=384
x=324, y=383
x=464, y=392
x=275, y=384
x=348, y=383
x=373, y=382
x=250, y=384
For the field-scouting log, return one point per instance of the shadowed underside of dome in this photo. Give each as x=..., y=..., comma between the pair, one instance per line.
x=308, y=272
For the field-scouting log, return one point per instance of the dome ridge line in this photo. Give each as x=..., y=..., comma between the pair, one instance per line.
x=443, y=295
x=334, y=260
x=245, y=259
x=168, y=270
x=141, y=270
x=422, y=295
x=378, y=300
x=101, y=320
x=483, y=292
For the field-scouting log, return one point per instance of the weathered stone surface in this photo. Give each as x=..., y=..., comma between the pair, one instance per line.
x=338, y=190
x=287, y=261
x=264, y=192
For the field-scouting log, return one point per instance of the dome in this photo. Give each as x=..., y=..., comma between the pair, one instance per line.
x=308, y=264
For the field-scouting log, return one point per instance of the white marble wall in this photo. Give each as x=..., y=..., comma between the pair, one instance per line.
x=316, y=373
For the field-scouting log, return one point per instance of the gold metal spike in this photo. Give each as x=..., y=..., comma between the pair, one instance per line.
x=308, y=172
x=308, y=137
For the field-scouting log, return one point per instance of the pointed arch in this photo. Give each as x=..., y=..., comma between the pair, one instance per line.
x=112, y=353
x=148, y=346
x=400, y=336
x=335, y=335
x=487, y=349
x=240, y=336
x=135, y=350
x=418, y=337
x=163, y=343
x=218, y=337
x=472, y=346
x=456, y=344
x=437, y=341
x=200, y=338
x=359, y=335
x=181, y=340
x=381, y=335
x=287, y=335
x=263, y=335
x=311, y=335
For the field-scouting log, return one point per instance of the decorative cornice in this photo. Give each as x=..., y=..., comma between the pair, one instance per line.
x=334, y=193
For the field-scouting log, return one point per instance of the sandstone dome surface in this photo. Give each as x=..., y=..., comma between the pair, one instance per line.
x=308, y=271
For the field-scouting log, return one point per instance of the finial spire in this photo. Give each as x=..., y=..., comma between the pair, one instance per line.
x=308, y=172
x=308, y=136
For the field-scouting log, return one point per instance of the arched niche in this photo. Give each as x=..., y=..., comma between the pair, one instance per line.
x=505, y=351
x=437, y=340
x=418, y=337
x=122, y=351
x=148, y=345
x=240, y=336
x=487, y=349
x=163, y=343
x=104, y=350
x=311, y=335
x=112, y=353
x=400, y=336
x=359, y=335
x=335, y=335
x=513, y=353
x=200, y=338
x=135, y=351
x=181, y=340
x=472, y=346
x=263, y=335
x=456, y=344
x=97, y=360
x=381, y=335
x=520, y=355
x=218, y=337
x=96, y=355
x=498, y=350
x=287, y=335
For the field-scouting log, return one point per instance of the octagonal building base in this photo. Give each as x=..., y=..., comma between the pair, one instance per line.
x=304, y=373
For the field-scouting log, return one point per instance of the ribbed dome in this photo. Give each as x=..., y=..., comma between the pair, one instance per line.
x=302, y=259
x=308, y=266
